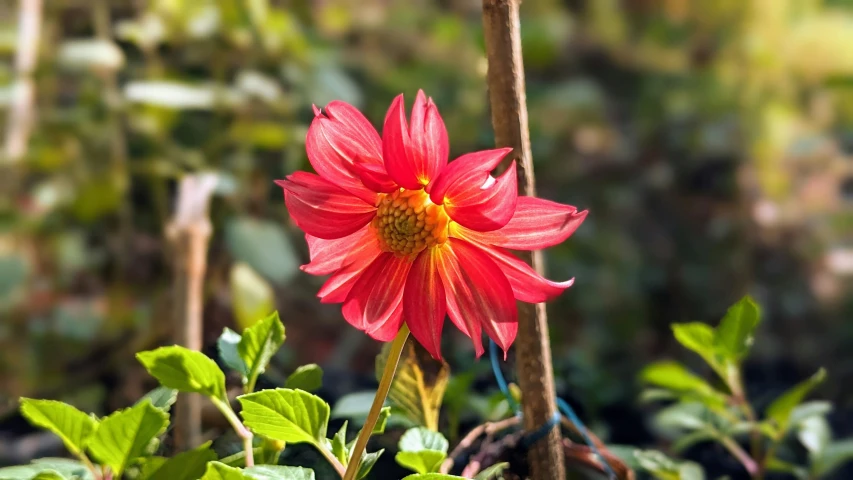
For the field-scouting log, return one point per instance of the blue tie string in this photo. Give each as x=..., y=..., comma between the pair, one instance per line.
x=542, y=431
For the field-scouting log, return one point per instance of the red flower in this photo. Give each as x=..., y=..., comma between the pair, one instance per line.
x=409, y=237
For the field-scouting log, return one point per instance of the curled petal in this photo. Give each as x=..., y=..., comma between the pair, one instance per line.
x=424, y=302
x=487, y=208
x=479, y=296
x=377, y=294
x=536, y=224
x=465, y=174
x=415, y=154
x=336, y=139
x=527, y=285
x=322, y=209
x=374, y=177
x=358, y=257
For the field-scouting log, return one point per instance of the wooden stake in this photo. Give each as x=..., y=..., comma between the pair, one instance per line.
x=189, y=233
x=509, y=119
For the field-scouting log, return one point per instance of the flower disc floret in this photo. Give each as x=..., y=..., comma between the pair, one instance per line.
x=407, y=222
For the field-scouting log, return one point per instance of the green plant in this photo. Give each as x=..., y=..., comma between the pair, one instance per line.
x=720, y=411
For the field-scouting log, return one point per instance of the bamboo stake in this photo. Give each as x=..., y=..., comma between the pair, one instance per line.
x=21, y=112
x=509, y=119
x=189, y=233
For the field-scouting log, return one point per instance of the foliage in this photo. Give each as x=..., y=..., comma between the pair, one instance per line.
x=702, y=412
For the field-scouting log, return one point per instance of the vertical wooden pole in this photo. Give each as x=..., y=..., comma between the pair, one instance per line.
x=509, y=119
x=189, y=233
x=21, y=111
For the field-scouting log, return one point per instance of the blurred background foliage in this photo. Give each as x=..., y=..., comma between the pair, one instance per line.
x=710, y=139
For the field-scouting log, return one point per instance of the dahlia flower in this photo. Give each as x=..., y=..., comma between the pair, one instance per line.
x=409, y=237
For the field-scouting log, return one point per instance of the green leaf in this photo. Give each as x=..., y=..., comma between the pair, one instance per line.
x=494, y=472
x=815, y=434
x=307, y=377
x=259, y=343
x=264, y=246
x=698, y=337
x=674, y=376
x=227, y=346
x=664, y=468
x=381, y=421
x=776, y=465
x=809, y=409
x=339, y=445
x=184, y=370
x=417, y=439
x=432, y=476
x=66, y=467
x=161, y=397
x=735, y=332
x=124, y=435
x=279, y=472
x=354, y=405
x=220, y=471
x=419, y=384
x=69, y=424
x=49, y=475
x=834, y=455
x=368, y=460
x=423, y=461
x=252, y=296
x=188, y=465
x=291, y=416
x=780, y=410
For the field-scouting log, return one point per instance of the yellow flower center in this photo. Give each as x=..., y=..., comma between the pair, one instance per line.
x=407, y=222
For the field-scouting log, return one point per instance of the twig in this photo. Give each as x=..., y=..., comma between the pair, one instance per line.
x=741, y=455
x=244, y=433
x=189, y=233
x=489, y=428
x=509, y=119
x=20, y=118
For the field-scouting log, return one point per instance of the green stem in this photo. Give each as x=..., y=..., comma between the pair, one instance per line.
x=739, y=453
x=735, y=381
x=338, y=466
x=238, y=427
x=378, y=401
x=85, y=459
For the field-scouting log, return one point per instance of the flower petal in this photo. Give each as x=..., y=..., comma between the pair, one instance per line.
x=336, y=139
x=536, y=224
x=322, y=209
x=376, y=295
x=330, y=255
x=467, y=173
x=374, y=176
x=414, y=154
x=487, y=208
x=358, y=257
x=424, y=303
x=479, y=295
x=527, y=285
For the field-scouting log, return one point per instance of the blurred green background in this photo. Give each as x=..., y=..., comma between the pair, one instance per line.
x=711, y=140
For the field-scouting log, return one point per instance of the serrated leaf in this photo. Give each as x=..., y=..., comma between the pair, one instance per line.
x=124, y=435
x=188, y=465
x=184, y=370
x=72, y=426
x=291, y=416
x=279, y=472
x=493, y=472
x=735, y=332
x=49, y=475
x=258, y=345
x=417, y=439
x=66, y=467
x=422, y=461
x=227, y=346
x=419, y=384
x=339, y=445
x=780, y=410
x=368, y=460
x=161, y=397
x=220, y=471
x=307, y=377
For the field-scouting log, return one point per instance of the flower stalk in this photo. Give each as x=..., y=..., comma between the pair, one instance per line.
x=241, y=430
x=378, y=401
